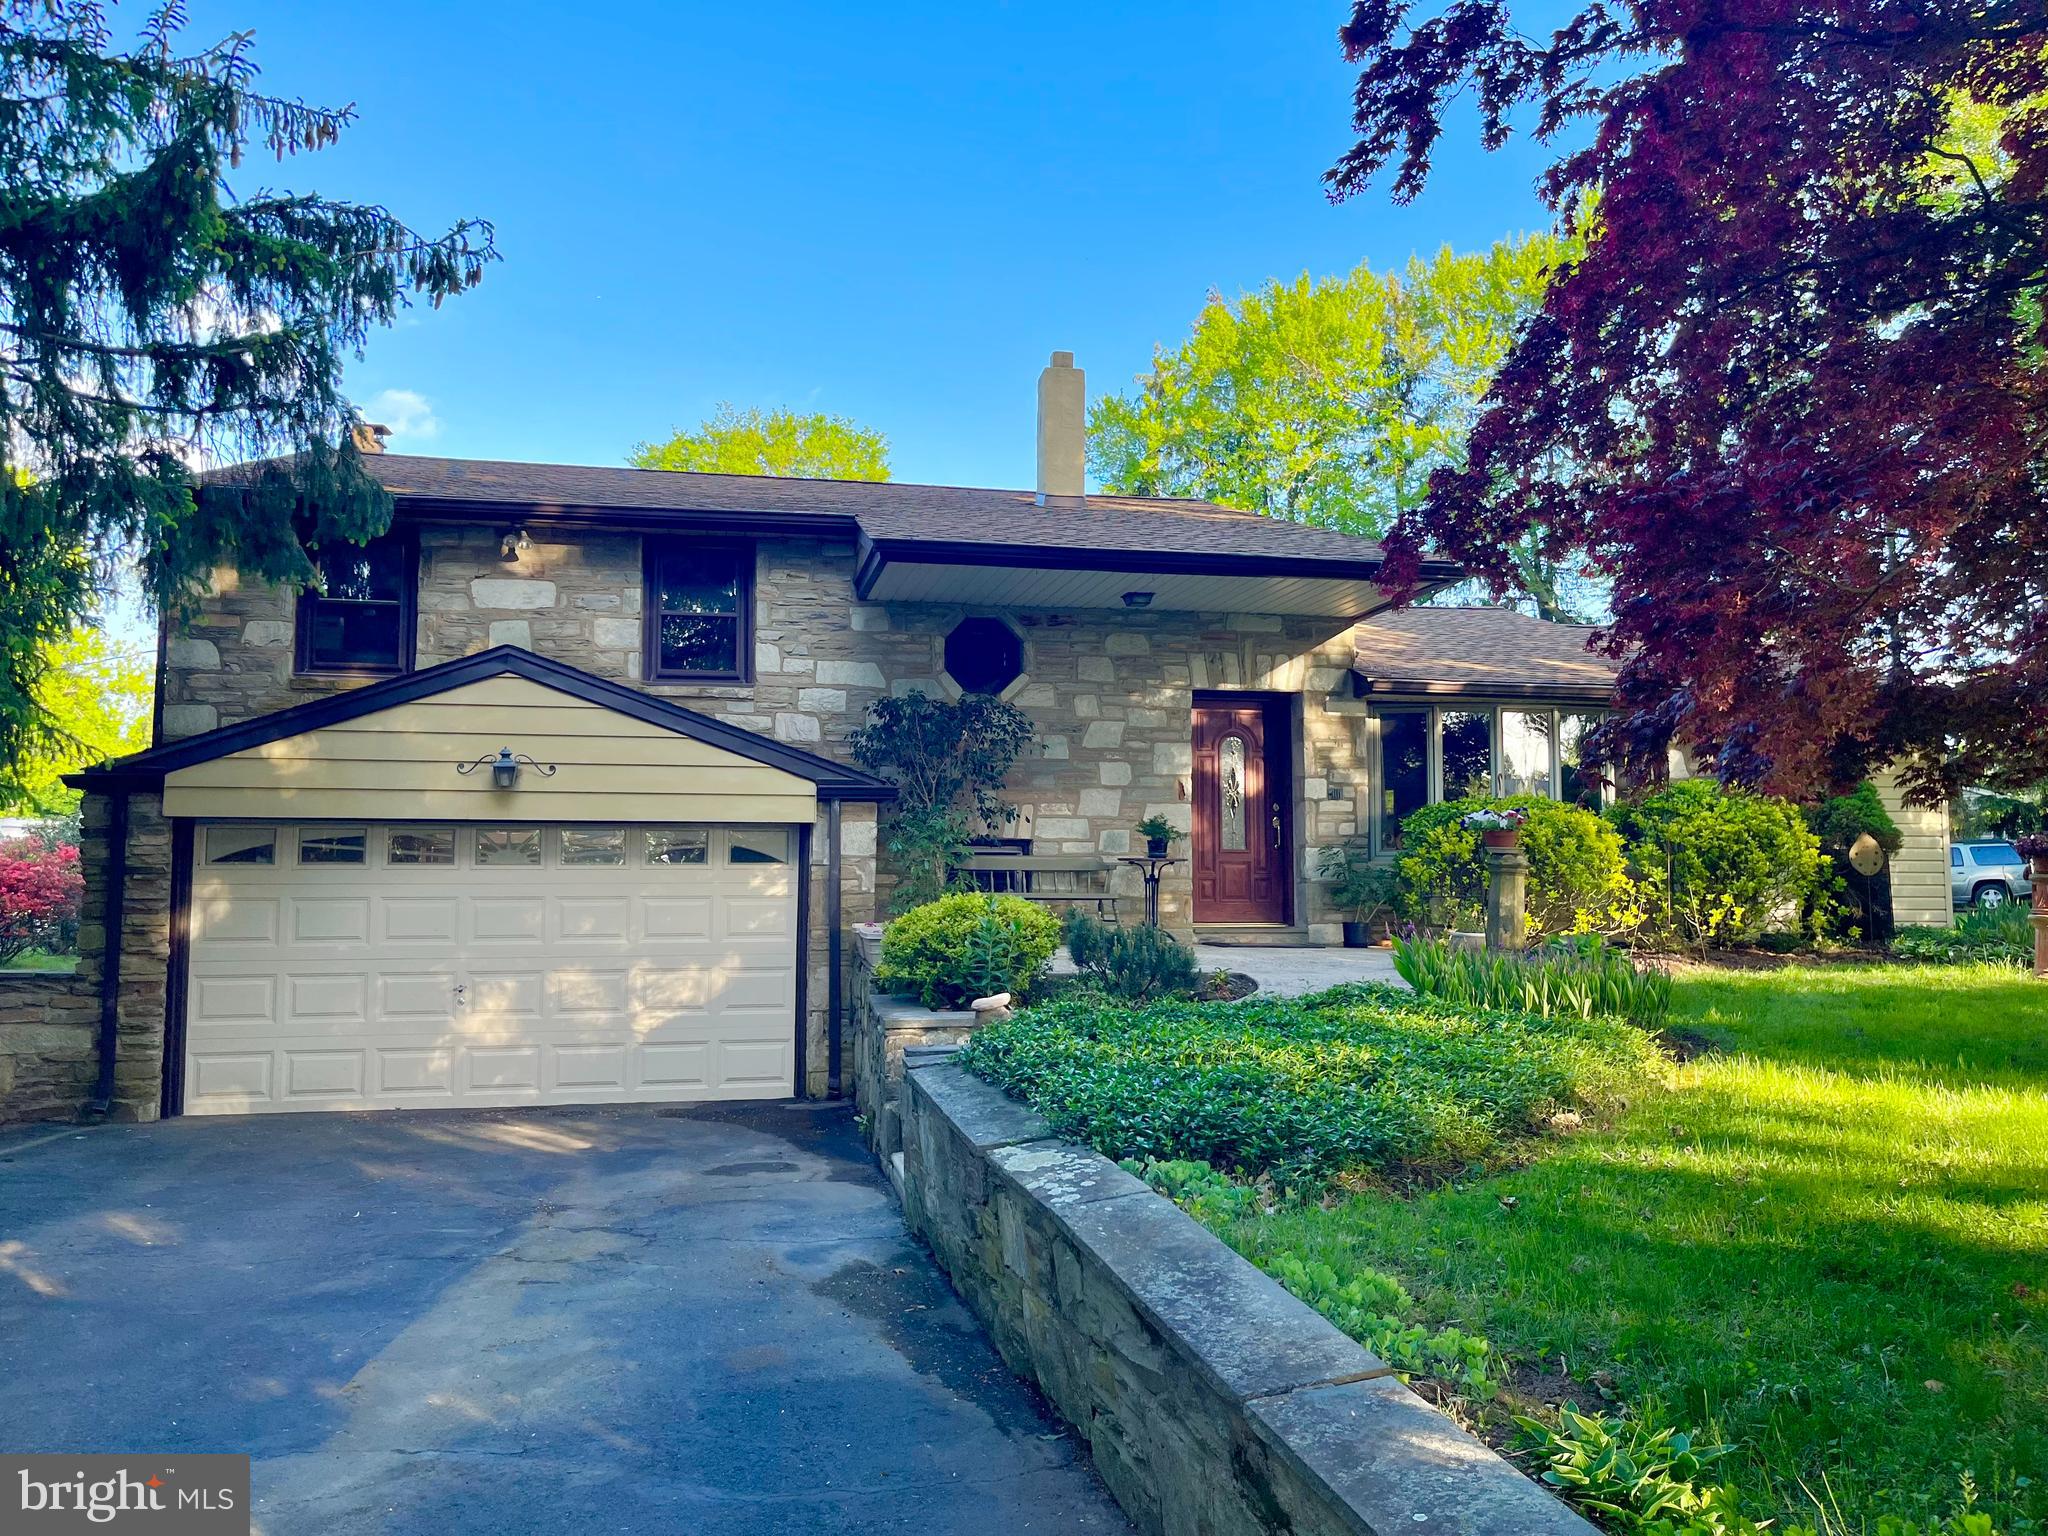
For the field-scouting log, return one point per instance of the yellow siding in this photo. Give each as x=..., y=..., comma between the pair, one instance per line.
x=1920, y=875
x=400, y=763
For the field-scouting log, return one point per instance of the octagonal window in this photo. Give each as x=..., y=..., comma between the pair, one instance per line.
x=984, y=655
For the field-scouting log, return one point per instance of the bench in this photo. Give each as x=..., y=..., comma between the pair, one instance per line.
x=1069, y=879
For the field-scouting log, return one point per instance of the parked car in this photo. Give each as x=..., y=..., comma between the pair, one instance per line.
x=1988, y=874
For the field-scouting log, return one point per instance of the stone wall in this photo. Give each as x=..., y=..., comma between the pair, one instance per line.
x=1110, y=692
x=880, y=1030
x=1212, y=1401
x=49, y=1025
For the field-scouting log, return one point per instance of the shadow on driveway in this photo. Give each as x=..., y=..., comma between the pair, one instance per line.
x=706, y=1320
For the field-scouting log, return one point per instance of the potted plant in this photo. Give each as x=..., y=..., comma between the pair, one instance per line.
x=1497, y=829
x=2034, y=849
x=1363, y=889
x=1159, y=835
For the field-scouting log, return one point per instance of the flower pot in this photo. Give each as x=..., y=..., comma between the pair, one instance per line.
x=1502, y=837
x=1155, y=847
x=1358, y=935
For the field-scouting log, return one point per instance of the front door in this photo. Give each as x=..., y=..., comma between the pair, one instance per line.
x=1240, y=833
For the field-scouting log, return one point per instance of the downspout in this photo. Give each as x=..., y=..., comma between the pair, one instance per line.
x=112, y=919
x=832, y=948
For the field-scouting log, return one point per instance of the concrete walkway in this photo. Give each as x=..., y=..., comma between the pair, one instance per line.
x=1294, y=972
x=564, y=1321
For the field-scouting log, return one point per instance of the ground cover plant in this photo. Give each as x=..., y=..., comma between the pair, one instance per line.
x=2000, y=934
x=1358, y=1078
x=1825, y=1246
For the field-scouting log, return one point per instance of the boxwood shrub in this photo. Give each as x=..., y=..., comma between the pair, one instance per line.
x=1576, y=865
x=1359, y=1077
x=948, y=952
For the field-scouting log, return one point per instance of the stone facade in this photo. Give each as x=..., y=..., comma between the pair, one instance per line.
x=49, y=1025
x=1110, y=692
x=1213, y=1402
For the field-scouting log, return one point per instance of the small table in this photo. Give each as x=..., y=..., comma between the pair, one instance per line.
x=1149, y=865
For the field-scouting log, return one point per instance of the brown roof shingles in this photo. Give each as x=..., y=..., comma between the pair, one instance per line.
x=884, y=510
x=1479, y=651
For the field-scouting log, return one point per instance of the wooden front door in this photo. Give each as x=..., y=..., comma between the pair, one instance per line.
x=1240, y=833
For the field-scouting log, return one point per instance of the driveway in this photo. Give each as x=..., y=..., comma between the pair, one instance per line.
x=705, y=1320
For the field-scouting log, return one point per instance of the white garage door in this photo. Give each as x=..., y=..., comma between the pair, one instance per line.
x=411, y=965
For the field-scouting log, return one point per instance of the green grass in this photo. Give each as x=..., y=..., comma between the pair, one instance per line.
x=38, y=960
x=1827, y=1242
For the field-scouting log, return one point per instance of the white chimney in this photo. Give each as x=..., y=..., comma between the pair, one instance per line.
x=1062, y=429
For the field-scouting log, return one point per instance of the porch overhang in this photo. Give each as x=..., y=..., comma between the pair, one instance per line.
x=1180, y=580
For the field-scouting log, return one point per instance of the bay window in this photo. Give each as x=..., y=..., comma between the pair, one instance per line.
x=1427, y=755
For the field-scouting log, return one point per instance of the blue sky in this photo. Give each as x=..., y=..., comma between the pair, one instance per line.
x=889, y=212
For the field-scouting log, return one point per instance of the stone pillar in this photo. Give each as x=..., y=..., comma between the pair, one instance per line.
x=2037, y=871
x=1507, y=896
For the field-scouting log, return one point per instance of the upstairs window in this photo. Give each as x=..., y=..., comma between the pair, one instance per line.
x=699, y=600
x=360, y=619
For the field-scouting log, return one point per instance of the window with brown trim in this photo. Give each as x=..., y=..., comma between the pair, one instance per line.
x=360, y=619
x=700, y=611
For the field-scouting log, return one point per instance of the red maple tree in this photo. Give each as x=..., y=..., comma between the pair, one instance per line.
x=1791, y=400
x=40, y=891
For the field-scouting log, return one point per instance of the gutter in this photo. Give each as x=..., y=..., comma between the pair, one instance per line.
x=112, y=921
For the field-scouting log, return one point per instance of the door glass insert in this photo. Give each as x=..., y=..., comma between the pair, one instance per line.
x=1230, y=786
x=422, y=845
x=582, y=846
x=508, y=845
x=757, y=847
x=332, y=845
x=678, y=845
x=241, y=845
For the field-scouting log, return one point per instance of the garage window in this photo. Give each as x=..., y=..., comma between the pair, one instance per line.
x=344, y=845
x=241, y=845
x=757, y=848
x=585, y=846
x=508, y=845
x=428, y=845
x=678, y=845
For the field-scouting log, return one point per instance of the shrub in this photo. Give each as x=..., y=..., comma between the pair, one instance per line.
x=948, y=759
x=1135, y=964
x=2001, y=934
x=1719, y=866
x=1840, y=821
x=1566, y=980
x=1356, y=1077
x=1577, y=873
x=950, y=951
x=41, y=887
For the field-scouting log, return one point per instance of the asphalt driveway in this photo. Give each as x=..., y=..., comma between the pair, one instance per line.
x=706, y=1320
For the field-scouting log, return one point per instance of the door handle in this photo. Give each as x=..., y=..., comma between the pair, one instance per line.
x=1276, y=826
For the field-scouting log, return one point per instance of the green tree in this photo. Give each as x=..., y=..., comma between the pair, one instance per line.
x=752, y=442
x=95, y=697
x=1330, y=401
x=153, y=318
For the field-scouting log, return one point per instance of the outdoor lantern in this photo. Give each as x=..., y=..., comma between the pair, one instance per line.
x=504, y=765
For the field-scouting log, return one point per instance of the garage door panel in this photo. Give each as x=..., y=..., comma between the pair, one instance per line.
x=412, y=985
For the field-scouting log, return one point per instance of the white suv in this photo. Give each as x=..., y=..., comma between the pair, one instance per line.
x=1988, y=874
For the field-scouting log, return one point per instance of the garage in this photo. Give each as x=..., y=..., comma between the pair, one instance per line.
x=413, y=965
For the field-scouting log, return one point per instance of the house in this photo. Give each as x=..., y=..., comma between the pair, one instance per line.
x=546, y=797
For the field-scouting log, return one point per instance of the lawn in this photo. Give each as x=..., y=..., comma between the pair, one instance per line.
x=40, y=960
x=1825, y=1242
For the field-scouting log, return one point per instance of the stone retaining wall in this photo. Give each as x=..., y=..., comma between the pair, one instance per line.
x=48, y=1025
x=880, y=1029
x=1213, y=1401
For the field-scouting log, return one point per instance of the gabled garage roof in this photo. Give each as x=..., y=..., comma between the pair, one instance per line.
x=146, y=770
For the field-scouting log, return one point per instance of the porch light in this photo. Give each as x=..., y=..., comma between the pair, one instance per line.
x=1137, y=599
x=504, y=765
x=514, y=544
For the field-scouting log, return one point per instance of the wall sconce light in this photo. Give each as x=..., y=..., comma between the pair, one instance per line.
x=514, y=544
x=504, y=765
x=1137, y=599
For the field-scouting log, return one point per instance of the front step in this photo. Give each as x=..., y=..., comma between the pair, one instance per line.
x=1253, y=936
